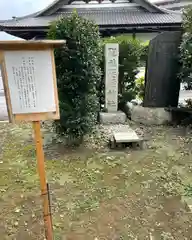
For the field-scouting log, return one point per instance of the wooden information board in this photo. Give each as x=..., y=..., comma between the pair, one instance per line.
x=28, y=71
x=29, y=79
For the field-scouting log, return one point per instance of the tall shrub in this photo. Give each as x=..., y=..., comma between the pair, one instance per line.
x=144, y=53
x=140, y=87
x=78, y=71
x=186, y=49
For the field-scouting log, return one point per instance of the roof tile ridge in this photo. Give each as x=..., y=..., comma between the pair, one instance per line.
x=149, y=6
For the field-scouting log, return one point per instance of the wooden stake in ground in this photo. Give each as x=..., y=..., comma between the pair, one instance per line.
x=43, y=183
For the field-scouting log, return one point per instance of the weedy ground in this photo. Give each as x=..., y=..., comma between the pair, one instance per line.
x=98, y=194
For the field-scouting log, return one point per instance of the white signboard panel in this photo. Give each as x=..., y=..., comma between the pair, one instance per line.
x=111, y=76
x=30, y=81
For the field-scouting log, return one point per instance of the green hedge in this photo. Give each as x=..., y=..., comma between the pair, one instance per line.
x=78, y=74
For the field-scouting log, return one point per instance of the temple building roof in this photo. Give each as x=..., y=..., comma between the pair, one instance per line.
x=175, y=5
x=119, y=14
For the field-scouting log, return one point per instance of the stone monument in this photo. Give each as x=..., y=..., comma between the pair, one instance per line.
x=161, y=82
x=111, y=76
x=111, y=86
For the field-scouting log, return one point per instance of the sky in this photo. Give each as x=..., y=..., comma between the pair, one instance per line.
x=18, y=8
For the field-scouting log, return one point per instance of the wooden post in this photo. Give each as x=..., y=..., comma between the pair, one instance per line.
x=43, y=183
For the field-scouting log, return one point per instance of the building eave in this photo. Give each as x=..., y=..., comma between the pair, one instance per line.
x=45, y=28
x=20, y=32
x=53, y=7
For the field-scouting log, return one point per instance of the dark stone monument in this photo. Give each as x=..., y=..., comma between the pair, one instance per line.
x=161, y=82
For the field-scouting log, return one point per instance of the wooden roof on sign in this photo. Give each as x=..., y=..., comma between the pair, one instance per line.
x=31, y=45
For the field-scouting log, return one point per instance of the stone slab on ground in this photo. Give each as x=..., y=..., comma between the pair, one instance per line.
x=112, y=117
x=107, y=130
x=125, y=137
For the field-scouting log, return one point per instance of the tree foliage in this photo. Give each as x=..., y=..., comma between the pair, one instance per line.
x=140, y=87
x=186, y=49
x=78, y=71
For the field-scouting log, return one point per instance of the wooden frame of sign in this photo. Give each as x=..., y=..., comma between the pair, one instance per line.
x=29, y=78
x=15, y=58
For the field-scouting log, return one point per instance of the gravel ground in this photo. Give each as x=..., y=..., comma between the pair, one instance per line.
x=99, y=137
x=102, y=133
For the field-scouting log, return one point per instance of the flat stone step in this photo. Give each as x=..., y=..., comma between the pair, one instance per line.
x=127, y=136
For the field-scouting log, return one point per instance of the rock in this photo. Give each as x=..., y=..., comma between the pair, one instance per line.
x=136, y=101
x=127, y=109
x=16, y=223
x=130, y=105
x=17, y=210
x=150, y=116
x=112, y=117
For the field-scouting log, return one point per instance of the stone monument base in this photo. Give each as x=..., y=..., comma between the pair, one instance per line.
x=112, y=117
x=150, y=116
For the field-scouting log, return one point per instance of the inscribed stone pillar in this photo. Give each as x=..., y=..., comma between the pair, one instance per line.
x=111, y=76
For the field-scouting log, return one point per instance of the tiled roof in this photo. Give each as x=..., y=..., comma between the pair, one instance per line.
x=120, y=16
